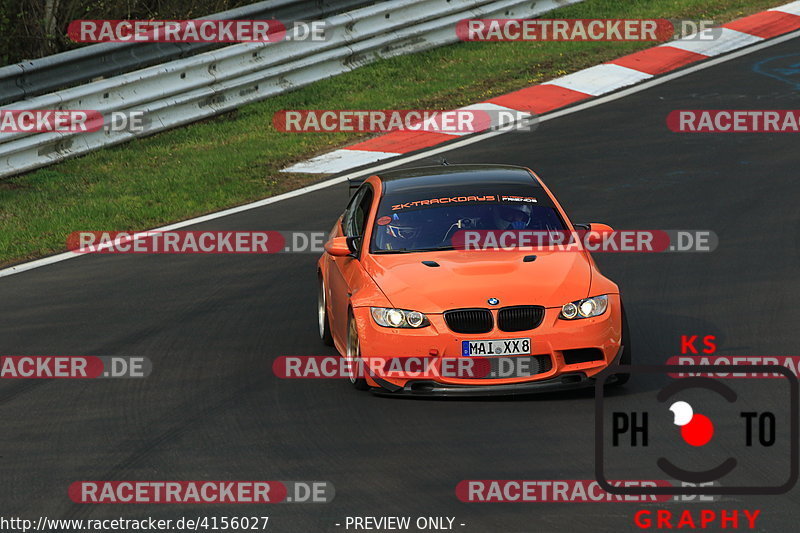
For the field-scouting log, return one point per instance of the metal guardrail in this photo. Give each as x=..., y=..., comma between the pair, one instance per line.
x=67, y=69
x=186, y=90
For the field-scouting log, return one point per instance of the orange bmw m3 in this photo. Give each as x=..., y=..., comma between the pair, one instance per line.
x=394, y=284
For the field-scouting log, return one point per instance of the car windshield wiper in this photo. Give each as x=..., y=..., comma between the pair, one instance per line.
x=415, y=250
x=395, y=251
x=437, y=248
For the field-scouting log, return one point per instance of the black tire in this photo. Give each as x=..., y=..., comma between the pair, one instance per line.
x=354, y=354
x=323, y=322
x=625, y=357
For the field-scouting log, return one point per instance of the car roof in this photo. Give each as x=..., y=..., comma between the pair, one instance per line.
x=427, y=178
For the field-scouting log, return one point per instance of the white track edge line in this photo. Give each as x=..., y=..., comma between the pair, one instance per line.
x=644, y=85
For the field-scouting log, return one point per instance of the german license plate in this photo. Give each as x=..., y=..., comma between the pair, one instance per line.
x=496, y=347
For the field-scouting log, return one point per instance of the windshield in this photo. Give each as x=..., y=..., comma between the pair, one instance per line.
x=432, y=228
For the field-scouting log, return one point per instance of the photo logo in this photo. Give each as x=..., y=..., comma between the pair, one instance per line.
x=696, y=429
x=715, y=436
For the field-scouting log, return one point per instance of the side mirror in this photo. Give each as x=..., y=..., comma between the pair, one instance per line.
x=596, y=231
x=600, y=228
x=340, y=246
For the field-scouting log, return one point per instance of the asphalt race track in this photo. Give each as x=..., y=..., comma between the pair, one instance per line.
x=212, y=325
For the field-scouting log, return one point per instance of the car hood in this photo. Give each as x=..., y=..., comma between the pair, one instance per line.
x=470, y=278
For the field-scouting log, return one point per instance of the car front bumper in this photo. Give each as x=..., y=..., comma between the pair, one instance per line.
x=554, y=338
x=430, y=388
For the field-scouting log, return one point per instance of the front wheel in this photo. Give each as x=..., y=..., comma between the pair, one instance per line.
x=354, y=355
x=322, y=315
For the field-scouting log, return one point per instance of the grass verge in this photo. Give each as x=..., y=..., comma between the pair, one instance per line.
x=235, y=158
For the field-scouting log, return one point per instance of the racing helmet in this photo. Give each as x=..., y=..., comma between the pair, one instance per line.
x=403, y=229
x=512, y=216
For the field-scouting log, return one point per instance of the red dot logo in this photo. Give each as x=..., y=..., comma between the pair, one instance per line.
x=696, y=429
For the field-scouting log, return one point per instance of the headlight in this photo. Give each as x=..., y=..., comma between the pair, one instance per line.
x=585, y=308
x=569, y=311
x=398, y=318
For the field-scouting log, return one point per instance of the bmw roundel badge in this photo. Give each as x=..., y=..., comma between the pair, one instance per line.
x=493, y=301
